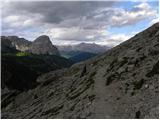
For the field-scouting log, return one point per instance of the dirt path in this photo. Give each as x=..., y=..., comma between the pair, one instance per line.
x=100, y=91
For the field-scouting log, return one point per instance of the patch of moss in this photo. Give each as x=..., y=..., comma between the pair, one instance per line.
x=22, y=54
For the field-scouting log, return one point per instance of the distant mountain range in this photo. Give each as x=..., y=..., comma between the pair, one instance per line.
x=82, y=51
x=85, y=47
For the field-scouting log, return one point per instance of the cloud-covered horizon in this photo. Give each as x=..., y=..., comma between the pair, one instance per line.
x=71, y=22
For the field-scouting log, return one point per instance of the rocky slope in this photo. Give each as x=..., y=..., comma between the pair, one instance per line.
x=43, y=45
x=122, y=83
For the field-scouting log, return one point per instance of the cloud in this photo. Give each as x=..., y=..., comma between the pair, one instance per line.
x=74, y=21
x=155, y=20
x=138, y=13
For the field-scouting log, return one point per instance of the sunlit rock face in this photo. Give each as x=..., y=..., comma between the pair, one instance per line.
x=20, y=44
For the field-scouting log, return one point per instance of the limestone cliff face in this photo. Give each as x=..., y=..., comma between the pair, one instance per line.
x=121, y=83
x=43, y=45
x=19, y=43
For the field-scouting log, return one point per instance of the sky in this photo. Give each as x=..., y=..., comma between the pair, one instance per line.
x=72, y=22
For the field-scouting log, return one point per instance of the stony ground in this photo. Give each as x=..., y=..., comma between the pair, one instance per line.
x=122, y=83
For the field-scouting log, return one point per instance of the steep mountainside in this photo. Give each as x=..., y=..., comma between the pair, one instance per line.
x=122, y=83
x=82, y=56
x=13, y=73
x=15, y=65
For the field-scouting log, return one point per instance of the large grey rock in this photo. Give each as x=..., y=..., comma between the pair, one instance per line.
x=43, y=45
x=122, y=83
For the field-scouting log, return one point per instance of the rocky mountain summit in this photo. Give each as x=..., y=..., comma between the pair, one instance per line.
x=43, y=45
x=121, y=83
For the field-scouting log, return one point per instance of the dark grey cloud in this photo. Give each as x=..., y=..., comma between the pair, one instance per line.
x=57, y=11
x=71, y=20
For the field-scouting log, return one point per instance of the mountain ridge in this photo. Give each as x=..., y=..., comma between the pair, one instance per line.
x=85, y=47
x=41, y=45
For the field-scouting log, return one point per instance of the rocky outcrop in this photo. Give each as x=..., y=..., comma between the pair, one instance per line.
x=5, y=42
x=6, y=45
x=20, y=44
x=43, y=45
x=122, y=83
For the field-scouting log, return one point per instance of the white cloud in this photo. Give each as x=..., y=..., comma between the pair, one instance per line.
x=120, y=37
x=139, y=13
x=114, y=39
x=143, y=6
x=12, y=18
x=155, y=20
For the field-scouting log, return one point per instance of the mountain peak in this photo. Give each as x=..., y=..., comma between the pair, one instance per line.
x=43, y=38
x=43, y=45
